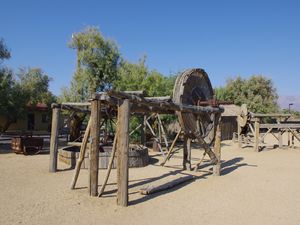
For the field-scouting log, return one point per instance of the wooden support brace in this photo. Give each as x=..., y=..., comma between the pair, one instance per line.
x=94, y=150
x=122, y=151
x=280, y=139
x=171, y=148
x=83, y=148
x=217, y=150
x=256, y=135
x=187, y=153
x=54, y=139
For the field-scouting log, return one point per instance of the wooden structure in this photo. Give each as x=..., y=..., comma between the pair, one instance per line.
x=252, y=128
x=191, y=91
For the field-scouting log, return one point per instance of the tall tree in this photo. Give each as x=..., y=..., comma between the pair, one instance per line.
x=97, y=62
x=258, y=92
x=136, y=76
x=36, y=84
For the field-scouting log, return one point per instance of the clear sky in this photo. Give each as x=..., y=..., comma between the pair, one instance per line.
x=226, y=38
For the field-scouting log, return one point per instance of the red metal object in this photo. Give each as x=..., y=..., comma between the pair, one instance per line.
x=26, y=145
x=213, y=102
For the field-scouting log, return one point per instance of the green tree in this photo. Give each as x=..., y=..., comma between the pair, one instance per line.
x=97, y=63
x=136, y=76
x=36, y=84
x=257, y=92
x=16, y=94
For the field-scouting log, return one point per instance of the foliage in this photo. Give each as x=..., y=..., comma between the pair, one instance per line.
x=132, y=77
x=257, y=92
x=36, y=84
x=4, y=52
x=16, y=94
x=97, y=63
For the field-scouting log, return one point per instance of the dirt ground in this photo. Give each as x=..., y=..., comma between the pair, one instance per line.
x=254, y=188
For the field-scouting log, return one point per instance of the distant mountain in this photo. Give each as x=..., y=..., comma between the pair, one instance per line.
x=284, y=101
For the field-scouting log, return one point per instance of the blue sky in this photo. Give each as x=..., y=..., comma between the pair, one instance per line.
x=226, y=38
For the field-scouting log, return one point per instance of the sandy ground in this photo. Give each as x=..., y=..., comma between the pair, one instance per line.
x=255, y=188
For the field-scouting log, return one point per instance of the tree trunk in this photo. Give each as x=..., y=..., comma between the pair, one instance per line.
x=75, y=125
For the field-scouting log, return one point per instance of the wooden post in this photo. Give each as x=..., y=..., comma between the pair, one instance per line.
x=239, y=131
x=280, y=138
x=217, y=150
x=54, y=138
x=122, y=152
x=81, y=155
x=143, y=130
x=289, y=139
x=94, y=150
x=187, y=153
x=256, y=135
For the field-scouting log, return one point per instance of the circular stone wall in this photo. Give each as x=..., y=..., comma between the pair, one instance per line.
x=137, y=156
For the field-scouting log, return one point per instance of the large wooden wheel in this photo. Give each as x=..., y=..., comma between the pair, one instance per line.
x=190, y=87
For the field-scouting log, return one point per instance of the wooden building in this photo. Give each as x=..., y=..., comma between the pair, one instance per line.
x=229, y=121
x=38, y=119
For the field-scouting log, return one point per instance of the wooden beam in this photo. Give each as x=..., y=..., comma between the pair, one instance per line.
x=239, y=131
x=54, y=139
x=256, y=135
x=281, y=125
x=187, y=150
x=171, y=148
x=217, y=150
x=83, y=147
x=122, y=151
x=280, y=139
x=94, y=151
x=166, y=105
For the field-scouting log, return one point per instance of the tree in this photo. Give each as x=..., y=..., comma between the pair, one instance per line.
x=257, y=92
x=132, y=77
x=97, y=62
x=36, y=84
x=17, y=94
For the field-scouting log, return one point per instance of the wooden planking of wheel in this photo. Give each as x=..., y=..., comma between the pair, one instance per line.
x=191, y=87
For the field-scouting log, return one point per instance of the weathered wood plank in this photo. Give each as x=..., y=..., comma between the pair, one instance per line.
x=94, y=151
x=256, y=135
x=83, y=148
x=122, y=151
x=54, y=139
x=217, y=150
x=165, y=186
x=187, y=150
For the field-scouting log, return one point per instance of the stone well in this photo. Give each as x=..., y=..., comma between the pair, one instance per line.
x=138, y=156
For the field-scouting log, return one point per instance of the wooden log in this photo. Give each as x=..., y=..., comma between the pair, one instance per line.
x=144, y=130
x=113, y=151
x=153, y=189
x=171, y=148
x=83, y=148
x=54, y=139
x=239, y=131
x=166, y=105
x=280, y=139
x=94, y=150
x=187, y=153
x=281, y=125
x=122, y=151
x=164, y=135
x=155, y=138
x=256, y=136
x=217, y=150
